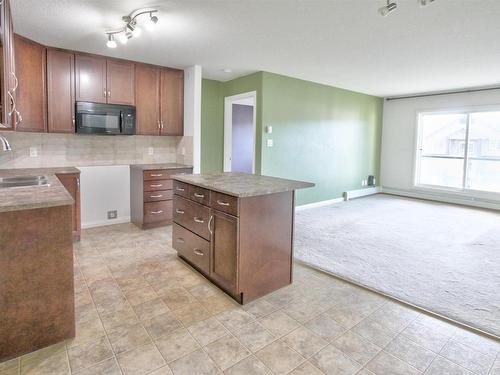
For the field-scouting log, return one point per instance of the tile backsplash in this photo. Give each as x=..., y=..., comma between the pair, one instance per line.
x=32, y=150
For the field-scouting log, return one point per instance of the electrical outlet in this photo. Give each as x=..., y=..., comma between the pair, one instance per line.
x=112, y=214
x=270, y=143
x=33, y=152
x=151, y=151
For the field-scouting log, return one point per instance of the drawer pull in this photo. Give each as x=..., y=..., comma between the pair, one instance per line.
x=221, y=203
x=156, y=212
x=198, y=252
x=156, y=196
x=180, y=212
x=157, y=185
x=199, y=195
x=157, y=175
x=198, y=220
x=180, y=189
x=181, y=240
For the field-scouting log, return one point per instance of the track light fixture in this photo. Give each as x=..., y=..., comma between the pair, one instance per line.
x=386, y=9
x=425, y=2
x=131, y=28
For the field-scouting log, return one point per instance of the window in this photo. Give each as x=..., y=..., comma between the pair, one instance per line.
x=459, y=150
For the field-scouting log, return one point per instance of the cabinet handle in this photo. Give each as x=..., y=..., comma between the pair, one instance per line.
x=156, y=212
x=199, y=195
x=180, y=212
x=181, y=240
x=156, y=196
x=162, y=124
x=157, y=185
x=209, y=224
x=109, y=94
x=104, y=93
x=16, y=84
x=222, y=203
x=198, y=220
x=180, y=189
x=198, y=252
x=157, y=175
x=73, y=119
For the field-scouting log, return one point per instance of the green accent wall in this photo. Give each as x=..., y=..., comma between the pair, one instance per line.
x=321, y=134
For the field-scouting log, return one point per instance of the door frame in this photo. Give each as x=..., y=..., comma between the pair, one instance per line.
x=228, y=126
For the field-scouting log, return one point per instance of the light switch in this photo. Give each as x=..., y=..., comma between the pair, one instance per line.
x=151, y=151
x=269, y=129
x=270, y=143
x=33, y=152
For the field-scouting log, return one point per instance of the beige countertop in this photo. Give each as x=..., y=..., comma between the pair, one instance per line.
x=157, y=166
x=31, y=197
x=242, y=184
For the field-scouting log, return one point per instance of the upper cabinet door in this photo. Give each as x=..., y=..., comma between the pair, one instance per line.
x=60, y=91
x=30, y=57
x=7, y=66
x=120, y=82
x=172, y=102
x=90, y=79
x=147, y=99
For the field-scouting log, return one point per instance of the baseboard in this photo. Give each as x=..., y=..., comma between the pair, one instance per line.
x=444, y=197
x=361, y=192
x=318, y=204
x=94, y=224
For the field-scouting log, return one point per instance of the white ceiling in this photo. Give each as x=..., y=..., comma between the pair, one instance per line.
x=449, y=44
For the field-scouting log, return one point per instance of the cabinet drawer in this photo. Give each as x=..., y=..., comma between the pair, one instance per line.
x=160, y=195
x=225, y=203
x=192, y=216
x=157, y=185
x=163, y=174
x=192, y=247
x=157, y=211
x=199, y=195
x=180, y=188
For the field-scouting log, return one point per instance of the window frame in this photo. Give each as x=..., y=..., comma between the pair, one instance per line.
x=468, y=110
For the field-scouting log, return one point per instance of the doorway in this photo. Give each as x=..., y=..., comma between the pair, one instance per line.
x=239, y=132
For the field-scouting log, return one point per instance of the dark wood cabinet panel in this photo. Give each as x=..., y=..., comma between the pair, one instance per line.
x=90, y=80
x=191, y=247
x=120, y=82
x=147, y=99
x=7, y=65
x=192, y=216
x=31, y=96
x=224, y=251
x=172, y=102
x=60, y=91
x=72, y=184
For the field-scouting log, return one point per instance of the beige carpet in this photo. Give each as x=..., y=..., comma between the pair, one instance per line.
x=444, y=258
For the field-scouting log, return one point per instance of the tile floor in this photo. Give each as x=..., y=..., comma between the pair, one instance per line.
x=140, y=310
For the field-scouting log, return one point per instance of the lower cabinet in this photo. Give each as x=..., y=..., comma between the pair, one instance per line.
x=243, y=245
x=71, y=181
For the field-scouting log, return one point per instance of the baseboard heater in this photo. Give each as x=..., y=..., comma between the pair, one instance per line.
x=361, y=192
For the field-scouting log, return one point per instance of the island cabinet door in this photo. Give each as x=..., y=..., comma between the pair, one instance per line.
x=224, y=247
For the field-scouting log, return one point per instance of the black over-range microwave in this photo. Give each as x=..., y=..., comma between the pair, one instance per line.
x=98, y=118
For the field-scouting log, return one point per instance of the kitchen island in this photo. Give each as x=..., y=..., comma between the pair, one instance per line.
x=237, y=230
x=36, y=260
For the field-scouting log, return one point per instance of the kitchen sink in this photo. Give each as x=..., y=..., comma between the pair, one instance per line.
x=6, y=182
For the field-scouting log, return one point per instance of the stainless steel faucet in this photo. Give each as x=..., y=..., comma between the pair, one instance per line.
x=5, y=144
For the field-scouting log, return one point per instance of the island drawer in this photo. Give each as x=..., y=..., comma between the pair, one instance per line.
x=199, y=194
x=157, y=211
x=157, y=185
x=192, y=247
x=224, y=202
x=180, y=188
x=155, y=196
x=192, y=216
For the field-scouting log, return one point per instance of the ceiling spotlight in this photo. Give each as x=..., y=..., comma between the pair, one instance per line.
x=227, y=70
x=151, y=23
x=136, y=30
x=111, y=41
x=425, y=2
x=386, y=9
x=124, y=37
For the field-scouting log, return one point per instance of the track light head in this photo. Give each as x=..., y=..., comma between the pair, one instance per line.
x=151, y=23
x=386, y=9
x=425, y=2
x=111, y=43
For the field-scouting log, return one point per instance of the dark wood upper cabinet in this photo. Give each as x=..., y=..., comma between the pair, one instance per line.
x=147, y=99
x=120, y=82
x=172, y=102
x=31, y=91
x=60, y=91
x=90, y=79
x=224, y=243
x=7, y=66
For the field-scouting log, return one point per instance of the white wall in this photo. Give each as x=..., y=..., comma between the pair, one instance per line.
x=399, y=143
x=103, y=189
x=192, y=112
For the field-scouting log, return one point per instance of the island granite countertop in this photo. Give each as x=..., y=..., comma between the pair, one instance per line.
x=31, y=197
x=156, y=166
x=242, y=184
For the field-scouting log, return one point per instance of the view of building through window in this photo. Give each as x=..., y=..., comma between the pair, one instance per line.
x=459, y=150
